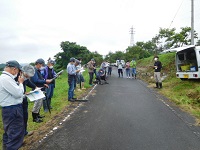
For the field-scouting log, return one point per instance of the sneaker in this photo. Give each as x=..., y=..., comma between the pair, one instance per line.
x=74, y=98
x=83, y=88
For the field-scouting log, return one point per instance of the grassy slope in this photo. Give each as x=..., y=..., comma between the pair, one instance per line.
x=185, y=94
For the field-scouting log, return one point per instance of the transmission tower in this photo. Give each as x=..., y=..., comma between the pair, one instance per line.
x=132, y=32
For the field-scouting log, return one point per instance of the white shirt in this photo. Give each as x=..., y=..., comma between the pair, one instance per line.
x=10, y=92
x=120, y=66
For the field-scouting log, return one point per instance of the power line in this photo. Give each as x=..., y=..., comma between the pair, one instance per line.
x=176, y=13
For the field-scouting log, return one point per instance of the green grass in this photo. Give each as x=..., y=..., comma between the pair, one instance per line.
x=59, y=102
x=185, y=94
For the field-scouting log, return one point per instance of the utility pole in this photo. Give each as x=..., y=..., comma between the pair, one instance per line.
x=132, y=32
x=192, y=22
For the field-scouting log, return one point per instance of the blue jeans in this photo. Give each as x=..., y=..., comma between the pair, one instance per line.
x=128, y=72
x=13, y=123
x=133, y=71
x=71, y=82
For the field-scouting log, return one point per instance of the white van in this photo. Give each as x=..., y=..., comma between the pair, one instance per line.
x=188, y=62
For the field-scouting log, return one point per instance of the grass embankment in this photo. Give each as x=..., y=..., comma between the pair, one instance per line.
x=185, y=94
x=59, y=103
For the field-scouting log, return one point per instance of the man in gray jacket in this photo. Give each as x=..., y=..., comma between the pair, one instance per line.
x=11, y=97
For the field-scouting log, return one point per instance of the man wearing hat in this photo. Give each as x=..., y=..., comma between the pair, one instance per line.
x=71, y=70
x=40, y=82
x=157, y=69
x=133, y=68
x=49, y=73
x=91, y=71
x=11, y=96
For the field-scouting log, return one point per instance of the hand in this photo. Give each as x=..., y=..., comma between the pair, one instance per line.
x=48, y=81
x=46, y=85
x=77, y=70
x=20, y=79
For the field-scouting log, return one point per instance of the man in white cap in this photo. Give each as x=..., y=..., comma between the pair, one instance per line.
x=49, y=73
x=11, y=96
x=26, y=72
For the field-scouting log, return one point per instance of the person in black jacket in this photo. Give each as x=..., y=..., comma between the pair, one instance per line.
x=157, y=70
x=26, y=72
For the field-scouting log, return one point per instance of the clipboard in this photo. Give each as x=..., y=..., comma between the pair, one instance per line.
x=57, y=74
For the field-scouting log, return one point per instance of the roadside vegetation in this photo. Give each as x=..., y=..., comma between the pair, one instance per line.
x=59, y=104
x=185, y=94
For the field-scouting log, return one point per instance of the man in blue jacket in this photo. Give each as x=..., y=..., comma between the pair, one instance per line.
x=40, y=82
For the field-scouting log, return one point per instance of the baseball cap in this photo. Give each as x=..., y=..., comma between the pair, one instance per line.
x=77, y=61
x=13, y=63
x=40, y=61
x=52, y=62
x=72, y=59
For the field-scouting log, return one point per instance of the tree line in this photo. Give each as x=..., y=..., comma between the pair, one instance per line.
x=165, y=39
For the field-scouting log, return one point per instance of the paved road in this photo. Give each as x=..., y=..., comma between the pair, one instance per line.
x=125, y=115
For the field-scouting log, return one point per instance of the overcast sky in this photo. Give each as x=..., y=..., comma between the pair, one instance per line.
x=32, y=29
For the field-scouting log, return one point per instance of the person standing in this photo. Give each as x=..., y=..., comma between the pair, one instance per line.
x=49, y=73
x=91, y=71
x=120, y=69
x=127, y=66
x=80, y=78
x=11, y=97
x=94, y=65
x=109, y=69
x=71, y=70
x=133, y=68
x=27, y=72
x=157, y=70
x=40, y=82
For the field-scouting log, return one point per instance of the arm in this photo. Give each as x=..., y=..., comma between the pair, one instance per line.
x=30, y=84
x=35, y=79
x=15, y=90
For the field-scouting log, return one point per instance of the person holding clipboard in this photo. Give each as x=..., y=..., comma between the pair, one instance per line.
x=49, y=73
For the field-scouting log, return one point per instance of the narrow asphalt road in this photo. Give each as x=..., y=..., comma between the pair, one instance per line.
x=125, y=115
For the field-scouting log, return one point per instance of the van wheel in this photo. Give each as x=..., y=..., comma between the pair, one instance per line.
x=183, y=79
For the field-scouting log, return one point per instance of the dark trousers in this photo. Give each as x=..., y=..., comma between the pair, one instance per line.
x=49, y=93
x=13, y=124
x=25, y=113
x=91, y=74
x=71, y=81
x=109, y=71
x=120, y=72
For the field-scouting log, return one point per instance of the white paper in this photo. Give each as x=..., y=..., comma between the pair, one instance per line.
x=82, y=71
x=35, y=95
